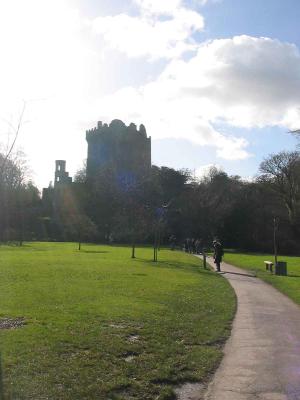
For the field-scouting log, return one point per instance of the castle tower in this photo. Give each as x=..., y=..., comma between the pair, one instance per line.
x=125, y=149
x=61, y=176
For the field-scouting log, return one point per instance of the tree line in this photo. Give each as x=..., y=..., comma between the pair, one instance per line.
x=160, y=204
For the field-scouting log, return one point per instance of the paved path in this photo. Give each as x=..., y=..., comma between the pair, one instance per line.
x=262, y=356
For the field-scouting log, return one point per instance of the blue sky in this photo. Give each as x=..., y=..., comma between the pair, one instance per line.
x=216, y=82
x=276, y=19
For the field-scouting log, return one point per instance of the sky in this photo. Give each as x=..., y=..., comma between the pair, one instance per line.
x=215, y=82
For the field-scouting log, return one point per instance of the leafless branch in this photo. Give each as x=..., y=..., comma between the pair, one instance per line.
x=16, y=134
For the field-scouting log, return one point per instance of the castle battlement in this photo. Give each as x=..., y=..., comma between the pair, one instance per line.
x=115, y=127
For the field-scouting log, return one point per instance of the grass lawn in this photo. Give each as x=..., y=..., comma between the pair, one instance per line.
x=289, y=285
x=100, y=325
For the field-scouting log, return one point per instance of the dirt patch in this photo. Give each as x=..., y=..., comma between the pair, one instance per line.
x=12, y=323
x=118, y=326
x=130, y=356
x=129, y=359
x=190, y=391
x=133, y=338
x=125, y=325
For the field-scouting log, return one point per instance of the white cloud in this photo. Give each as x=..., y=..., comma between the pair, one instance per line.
x=246, y=81
x=205, y=2
x=167, y=7
x=147, y=35
x=243, y=82
x=159, y=7
x=231, y=148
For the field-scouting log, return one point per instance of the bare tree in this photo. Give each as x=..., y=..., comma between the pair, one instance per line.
x=16, y=131
x=282, y=172
x=12, y=182
x=296, y=134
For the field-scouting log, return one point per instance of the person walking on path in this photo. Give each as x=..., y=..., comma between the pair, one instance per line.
x=218, y=253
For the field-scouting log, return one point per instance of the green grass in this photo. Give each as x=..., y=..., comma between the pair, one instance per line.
x=289, y=285
x=103, y=326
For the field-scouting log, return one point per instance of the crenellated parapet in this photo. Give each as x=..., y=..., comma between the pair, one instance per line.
x=115, y=127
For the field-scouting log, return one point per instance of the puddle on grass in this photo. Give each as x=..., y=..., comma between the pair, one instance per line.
x=190, y=391
x=12, y=323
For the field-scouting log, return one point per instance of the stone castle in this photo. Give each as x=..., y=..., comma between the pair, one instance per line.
x=125, y=149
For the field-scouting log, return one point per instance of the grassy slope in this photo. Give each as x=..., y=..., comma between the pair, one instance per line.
x=289, y=285
x=88, y=311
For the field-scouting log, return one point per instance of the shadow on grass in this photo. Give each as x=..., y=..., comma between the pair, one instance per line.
x=94, y=251
x=175, y=265
x=258, y=253
x=247, y=253
x=12, y=245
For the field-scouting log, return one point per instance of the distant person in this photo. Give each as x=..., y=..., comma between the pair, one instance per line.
x=185, y=245
x=198, y=246
x=193, y=246
x=110, y=239
x=188, y=245
x=218, y=253
x=172, y=241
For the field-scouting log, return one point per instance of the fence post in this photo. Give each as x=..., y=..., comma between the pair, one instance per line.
x=204, y=259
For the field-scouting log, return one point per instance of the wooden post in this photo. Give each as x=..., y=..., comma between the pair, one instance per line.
x=204, y=260
x=79, y=239
x=158, y=239
x=133, y=250
x=156, y=243
x=155, y=247
x=275, y=227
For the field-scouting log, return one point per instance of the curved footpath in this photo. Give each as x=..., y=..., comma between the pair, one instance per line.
x=262, y=356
